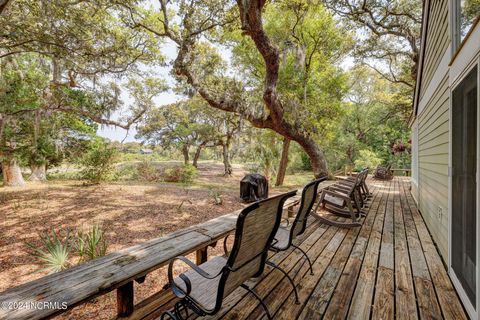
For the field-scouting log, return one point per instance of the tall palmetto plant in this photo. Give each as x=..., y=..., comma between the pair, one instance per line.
x=54, y=251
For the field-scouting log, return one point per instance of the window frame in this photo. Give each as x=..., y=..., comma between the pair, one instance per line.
x=473, y=311
x=455, y=30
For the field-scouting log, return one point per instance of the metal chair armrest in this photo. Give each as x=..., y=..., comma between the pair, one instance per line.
x=179, y=292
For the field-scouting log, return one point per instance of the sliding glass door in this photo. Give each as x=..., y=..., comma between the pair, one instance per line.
x=464, y=185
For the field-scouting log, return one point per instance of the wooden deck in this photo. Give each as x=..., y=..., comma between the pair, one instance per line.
x=387, y=268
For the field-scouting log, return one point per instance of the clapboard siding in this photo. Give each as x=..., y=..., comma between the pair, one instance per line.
x=433, y=148
x=438, y=39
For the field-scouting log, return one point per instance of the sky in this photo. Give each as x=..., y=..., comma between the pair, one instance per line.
x=118, y=134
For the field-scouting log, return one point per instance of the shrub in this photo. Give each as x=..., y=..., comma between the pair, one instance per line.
x=98, y=162
x=54, y=252
x=126, y=172
x=306, y=164
x=92, y=244
x=184, y=174
x=367, y=158
x=147, y=171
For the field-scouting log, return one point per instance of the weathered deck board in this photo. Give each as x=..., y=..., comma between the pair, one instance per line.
x=388, y=268
x=384, y=300
x=447, y=297
x=405, y=303
x=339, y=304
x=428, y=307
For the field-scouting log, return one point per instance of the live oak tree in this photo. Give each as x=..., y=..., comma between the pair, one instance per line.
x=374, y=119
x=84, y=43
x=190, y=23
x=388, y=37
x=311, y=84
x=191, y=124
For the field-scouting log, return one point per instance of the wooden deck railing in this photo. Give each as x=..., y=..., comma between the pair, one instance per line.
x=48, y=296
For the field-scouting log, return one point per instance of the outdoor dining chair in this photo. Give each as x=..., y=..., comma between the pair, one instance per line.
x=285, y=235
x=203, y=287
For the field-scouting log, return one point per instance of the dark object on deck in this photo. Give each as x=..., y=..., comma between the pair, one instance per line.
x=383, y=173
x=253, y=187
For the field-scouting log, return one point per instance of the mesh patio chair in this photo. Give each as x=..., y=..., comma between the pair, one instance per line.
x=342, y=201
x=203, y=287
x=285, y=235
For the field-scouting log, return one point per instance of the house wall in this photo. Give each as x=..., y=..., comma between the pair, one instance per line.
x=432, y=138
x=438, y=40
x=433, y=149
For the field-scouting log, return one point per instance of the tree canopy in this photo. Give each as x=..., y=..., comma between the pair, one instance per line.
x=280, y=66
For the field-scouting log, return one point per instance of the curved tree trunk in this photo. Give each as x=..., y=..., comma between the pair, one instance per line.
x=226, y=160
x=282, y=168
x=197, y=155
x=39, y=172
x=317, y=158
x=186, y=157
x=252, y=25
x=12, y=175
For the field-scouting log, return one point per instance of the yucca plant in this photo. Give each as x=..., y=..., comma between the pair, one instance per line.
x=217, y=197
x=92, y=244
x=54, y=251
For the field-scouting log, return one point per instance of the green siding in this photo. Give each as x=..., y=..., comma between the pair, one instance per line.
x=433, y=148
x=438, y=39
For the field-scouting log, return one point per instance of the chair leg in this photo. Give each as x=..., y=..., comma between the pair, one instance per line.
x=297, y=301
x=264, y=306
x=170, y=315
x=306, y=256
x=176, y=313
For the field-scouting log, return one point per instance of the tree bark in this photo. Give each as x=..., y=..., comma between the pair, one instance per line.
x=39, y=172
x=186, y=157
x=12, y=175
x=197, y=154
x=282, y=168
x=226, y=160
x=3, y=5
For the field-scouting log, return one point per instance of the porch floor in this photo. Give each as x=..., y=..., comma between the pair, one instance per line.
x=389, y=267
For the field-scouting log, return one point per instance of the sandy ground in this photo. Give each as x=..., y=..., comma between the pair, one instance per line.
x=129, y=214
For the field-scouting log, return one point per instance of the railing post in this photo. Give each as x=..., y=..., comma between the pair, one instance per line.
x=290, y=212
x=202, y=255
x=125, y=300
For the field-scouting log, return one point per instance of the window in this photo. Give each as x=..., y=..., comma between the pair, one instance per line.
x=466, y=13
